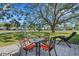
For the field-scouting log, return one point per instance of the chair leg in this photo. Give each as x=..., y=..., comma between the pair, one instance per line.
x=54, y=47
x=39, y=49
x=20, y=51
x=26, y=53
x=59, y=41
x=49, y=53
x=55, y=51
x=36, y=49
x=68, y=44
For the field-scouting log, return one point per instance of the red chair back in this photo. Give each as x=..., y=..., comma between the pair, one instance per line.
x=47, y=46
x=44, y=47
x=29, y=47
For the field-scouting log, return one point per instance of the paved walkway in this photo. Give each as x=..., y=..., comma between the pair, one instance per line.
x=7, y=50
x=61, y=49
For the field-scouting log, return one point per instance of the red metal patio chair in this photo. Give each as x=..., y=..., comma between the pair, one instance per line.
x=48, y=46
x=28, y=47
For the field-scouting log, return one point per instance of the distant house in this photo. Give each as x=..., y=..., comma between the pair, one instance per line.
x=46, y=27
x=2, y=28
x=13, y=28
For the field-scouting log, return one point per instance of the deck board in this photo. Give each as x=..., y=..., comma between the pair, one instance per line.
x=61, y=49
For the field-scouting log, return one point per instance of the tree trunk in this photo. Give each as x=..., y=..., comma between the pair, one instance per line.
x=53, y=28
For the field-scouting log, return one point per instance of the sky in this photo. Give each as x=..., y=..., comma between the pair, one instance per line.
x=24, y=8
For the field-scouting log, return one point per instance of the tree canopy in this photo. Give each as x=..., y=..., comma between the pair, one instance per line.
x=41, y=14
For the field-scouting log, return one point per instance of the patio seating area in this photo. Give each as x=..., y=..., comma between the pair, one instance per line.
x=39, y=29
x=62, y=50
x=42, y=47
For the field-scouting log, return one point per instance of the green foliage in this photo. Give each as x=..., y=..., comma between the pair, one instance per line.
x=5, y=37
x=75, y=39
x=15, y=23
x=14, y=37
x=47, y=34
x=1, y=9
x=7, y=25
x=1, y=24
x=18, y=36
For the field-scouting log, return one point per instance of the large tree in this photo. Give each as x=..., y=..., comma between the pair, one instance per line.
x=57, y=13
x=51, y=14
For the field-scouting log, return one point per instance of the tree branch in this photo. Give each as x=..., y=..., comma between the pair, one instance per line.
x=68, y=19
x=48, y=21
x=63, y=13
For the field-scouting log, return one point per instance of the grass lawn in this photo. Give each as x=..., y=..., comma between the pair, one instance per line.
x=3, y=31
x=12, y=38
x=7, y=43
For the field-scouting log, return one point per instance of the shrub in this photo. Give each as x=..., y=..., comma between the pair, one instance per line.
x=75, y=39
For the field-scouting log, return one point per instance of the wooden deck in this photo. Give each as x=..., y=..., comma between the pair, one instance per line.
x=61, y=49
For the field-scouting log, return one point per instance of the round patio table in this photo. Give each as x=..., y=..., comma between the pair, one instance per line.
x=37, y=42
